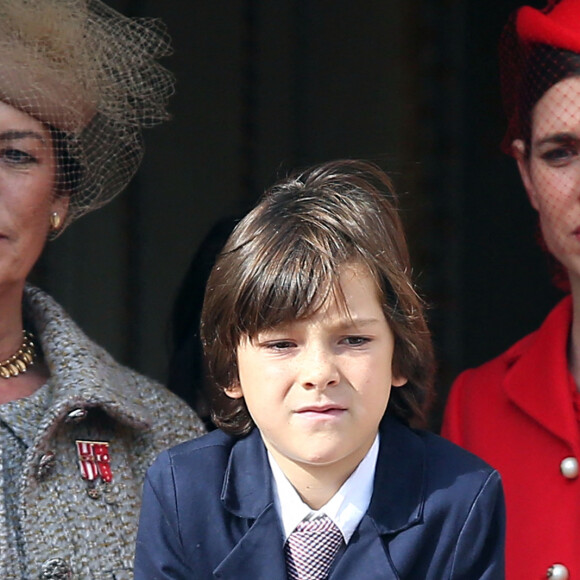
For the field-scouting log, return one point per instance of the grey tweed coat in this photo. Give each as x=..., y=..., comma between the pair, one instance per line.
x=68, y=533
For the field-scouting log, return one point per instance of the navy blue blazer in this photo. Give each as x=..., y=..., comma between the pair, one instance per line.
x=436, y=513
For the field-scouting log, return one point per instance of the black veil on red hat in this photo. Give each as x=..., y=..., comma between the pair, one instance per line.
x=539, y=52
x=535, y=51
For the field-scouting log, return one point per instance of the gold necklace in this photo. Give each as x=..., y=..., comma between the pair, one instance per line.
x=21, y=360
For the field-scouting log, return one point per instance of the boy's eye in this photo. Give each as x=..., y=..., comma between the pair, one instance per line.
x=356, y=340
x=280, y=345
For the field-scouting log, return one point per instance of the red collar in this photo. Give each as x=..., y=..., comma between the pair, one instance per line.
x=538, y=381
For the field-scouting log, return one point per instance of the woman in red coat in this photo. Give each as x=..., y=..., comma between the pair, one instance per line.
x=521, y=411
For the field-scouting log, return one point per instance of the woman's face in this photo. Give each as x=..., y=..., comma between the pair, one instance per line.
x=27, y=193
x=551, y=172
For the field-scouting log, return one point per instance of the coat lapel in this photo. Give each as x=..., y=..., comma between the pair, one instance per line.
x=396, y=505
x=259, y=554
x=82, y=373
x=247, y=494
x=365, y=557
x=538, y=381
x=399, y=487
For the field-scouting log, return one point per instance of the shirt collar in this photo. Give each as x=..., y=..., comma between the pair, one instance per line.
x=346, y=508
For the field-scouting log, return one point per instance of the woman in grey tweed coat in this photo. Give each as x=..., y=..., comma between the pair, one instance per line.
x=78, y=81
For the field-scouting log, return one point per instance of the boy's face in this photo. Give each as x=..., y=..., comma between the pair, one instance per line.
x=318, y=388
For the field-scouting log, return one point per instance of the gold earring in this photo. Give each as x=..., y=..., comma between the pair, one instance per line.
x=55, y=221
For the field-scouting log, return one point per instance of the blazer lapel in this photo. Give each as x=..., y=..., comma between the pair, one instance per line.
x=538, y=381
x=399, y=488
x=396, y=505
x=247, y=494
x=259, y=554
x=365, y=556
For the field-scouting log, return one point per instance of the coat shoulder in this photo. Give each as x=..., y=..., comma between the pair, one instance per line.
x=424, y=467
x=555, y=324
x=195, y=469
x=447, y=457
x=171, y=420
x=495, y=368
x=206, y=454
x=200, y=449
x=162, y=402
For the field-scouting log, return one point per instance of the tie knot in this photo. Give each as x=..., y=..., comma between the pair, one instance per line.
x=311, y=549
x=321, y=524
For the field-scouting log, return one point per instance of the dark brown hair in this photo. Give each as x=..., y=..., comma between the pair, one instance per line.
x=283, y=261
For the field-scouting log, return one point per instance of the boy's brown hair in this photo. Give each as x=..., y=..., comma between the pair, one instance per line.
x=283, y=261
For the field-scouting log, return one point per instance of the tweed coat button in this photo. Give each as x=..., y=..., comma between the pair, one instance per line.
x=110, y=493
x=45, y=464
x=55, y=569
x=569, y=467
x=76, y=415
x=558, y=572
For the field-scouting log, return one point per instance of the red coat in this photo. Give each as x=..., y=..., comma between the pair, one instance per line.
x=517, y=413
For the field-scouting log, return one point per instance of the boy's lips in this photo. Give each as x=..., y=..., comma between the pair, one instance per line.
x=327, y=409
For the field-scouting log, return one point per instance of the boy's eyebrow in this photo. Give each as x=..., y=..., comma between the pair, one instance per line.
x=345, y=323
x=349, y=322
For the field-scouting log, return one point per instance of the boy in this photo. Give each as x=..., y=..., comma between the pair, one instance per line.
x=318, y=349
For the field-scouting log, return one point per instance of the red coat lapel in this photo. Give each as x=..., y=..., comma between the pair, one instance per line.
x=539, y=380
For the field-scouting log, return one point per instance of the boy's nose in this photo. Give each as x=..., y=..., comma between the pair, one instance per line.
x=319, y=370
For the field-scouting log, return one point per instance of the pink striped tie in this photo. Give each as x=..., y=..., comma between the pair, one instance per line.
x=311, y=548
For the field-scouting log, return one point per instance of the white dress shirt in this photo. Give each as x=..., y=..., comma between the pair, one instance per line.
x=347, y=506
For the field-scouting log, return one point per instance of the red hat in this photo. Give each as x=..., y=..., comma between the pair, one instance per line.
x=558, y=25
x=527, y=67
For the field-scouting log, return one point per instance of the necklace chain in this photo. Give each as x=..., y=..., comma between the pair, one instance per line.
x=22, y=359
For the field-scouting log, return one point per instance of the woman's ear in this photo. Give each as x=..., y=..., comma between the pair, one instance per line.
x=60, y=206
x=523, y=161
